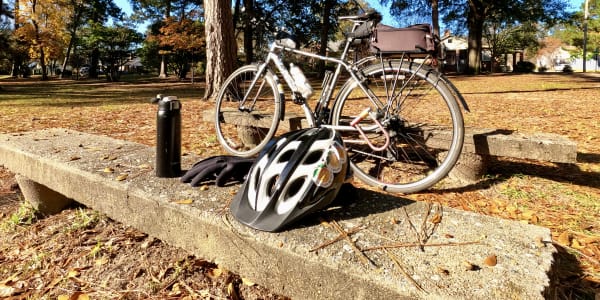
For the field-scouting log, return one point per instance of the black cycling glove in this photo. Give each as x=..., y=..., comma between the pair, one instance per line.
x=222, y=169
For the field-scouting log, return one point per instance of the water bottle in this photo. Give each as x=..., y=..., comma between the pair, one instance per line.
x=168, y=137
x=300, y=80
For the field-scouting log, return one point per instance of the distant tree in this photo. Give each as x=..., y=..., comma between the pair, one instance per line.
x=182, y=38
x=40, y=25
x=220, y=44
x=571, y=31
x=115, y=45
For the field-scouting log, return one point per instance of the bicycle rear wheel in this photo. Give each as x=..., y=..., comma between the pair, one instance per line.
x=420, y=113
x=245, y=127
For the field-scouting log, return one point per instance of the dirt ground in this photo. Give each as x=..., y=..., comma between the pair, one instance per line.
x=80, y=253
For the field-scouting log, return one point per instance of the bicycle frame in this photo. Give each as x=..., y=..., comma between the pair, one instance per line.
x=273, y=57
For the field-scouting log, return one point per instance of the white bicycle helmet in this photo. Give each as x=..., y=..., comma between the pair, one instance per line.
x=296, y=174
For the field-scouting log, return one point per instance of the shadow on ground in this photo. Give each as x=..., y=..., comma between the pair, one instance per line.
x=568, y=280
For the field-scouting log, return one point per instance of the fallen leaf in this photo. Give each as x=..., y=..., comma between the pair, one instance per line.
x=527, y=214
x=232, y=292
x=436, y=219
x=534, y=219
x=122, y=177
x=443, y=271
x=7, y=291
x=79, y=296
x=469, y=266
x=576, y=244
x=101, y=261
x=204, y=187
x=564, y=239
x=491, y=260
x=214, y=273
x=184, y=201
x=394, y=221
x=247, y=282
x=72, y=158
x=481, y=203
x=109, y=170
x=73, y=273
x=148, y=242
x=63, y=297
x=511, y=209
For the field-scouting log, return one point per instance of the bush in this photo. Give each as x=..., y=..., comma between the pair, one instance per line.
x=567, y=69
x=524, y=67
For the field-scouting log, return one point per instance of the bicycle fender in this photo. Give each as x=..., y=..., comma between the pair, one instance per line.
x=454, y=90
x=281, y=96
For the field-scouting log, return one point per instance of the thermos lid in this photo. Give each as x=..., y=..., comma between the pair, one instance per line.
x=169, y=103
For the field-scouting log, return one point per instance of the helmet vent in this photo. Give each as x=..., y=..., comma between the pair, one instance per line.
x=286, y=156
x=295, y=187
x=270, y=188
x=313, y=157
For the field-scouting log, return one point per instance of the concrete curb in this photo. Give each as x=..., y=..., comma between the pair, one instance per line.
x=116, y=178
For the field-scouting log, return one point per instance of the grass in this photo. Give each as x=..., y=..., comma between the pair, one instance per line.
x=25, y=215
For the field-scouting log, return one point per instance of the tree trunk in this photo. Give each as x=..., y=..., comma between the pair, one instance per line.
x=94, y=60
x=324, y=34
x=249, y=30
x=220, y=44
x=163, y=58
x=475, y=20
x=38, y=41
x=435, y=17
x=67, y=55
x=16, y=66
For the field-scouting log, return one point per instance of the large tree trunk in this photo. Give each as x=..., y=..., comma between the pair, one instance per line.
x=324, y=34
x=16, y=66
x=220, y=44
x=435, y=17
x=475, y=20
x=249, y=30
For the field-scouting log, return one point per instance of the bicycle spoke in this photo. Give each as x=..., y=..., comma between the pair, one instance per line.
x=244, y=126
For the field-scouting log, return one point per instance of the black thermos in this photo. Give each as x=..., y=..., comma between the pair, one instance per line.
x=168, y=137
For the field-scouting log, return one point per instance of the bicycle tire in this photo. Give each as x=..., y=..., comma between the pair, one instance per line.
x=423, y=118
x=244, y=132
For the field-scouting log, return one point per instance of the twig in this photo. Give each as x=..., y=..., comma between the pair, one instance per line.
x=397, y=263
x=338, y=238
x=406, y=245
x=412, y=226
x=345, y=235
x=423, y=236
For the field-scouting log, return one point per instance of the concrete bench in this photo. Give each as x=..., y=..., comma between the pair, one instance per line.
x=479, y=145
x=446, y=261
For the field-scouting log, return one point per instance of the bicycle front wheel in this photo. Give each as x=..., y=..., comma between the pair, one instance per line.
x=421, y=115
x=247, y=115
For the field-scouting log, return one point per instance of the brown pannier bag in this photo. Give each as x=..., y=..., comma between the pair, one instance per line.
x=412, y=40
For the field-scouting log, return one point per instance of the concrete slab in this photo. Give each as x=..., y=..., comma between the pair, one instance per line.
x=453, y=261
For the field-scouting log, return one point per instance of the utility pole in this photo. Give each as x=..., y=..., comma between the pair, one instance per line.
x=585, y=31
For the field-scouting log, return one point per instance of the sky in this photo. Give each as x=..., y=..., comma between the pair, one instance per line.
x=387, y=19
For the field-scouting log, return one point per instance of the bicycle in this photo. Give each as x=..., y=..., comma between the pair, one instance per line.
x=399, y=118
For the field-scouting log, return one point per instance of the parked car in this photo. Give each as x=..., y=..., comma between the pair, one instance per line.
x=84, y=71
